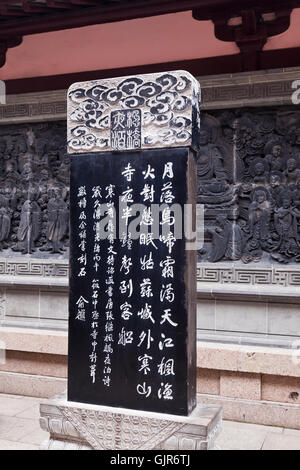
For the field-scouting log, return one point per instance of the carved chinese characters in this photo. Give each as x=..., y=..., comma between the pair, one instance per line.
x=129, y=312
x=126, y=129
x=132, y=340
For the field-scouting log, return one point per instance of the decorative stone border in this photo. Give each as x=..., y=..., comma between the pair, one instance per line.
x=33, y=267
x=265, y=88
x=34, y=107
x=256, y=276
x=33, y=272
x=208, y=272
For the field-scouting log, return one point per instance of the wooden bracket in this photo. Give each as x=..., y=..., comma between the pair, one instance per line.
x=6, y=44
x=250, y=30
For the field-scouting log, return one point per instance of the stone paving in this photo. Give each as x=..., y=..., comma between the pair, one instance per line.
x=20, y=430
x=19, y=423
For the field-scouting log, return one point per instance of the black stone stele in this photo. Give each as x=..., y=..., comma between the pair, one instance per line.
x=132, y=325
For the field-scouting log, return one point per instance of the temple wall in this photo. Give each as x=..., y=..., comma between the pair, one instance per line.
x=164, y=38
x=248, y=271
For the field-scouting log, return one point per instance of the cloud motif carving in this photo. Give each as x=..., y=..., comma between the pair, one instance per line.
x=166, y=100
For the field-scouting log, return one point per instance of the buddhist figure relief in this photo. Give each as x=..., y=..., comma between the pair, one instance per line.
x=248, y=182
x=34, y=190
x=262, y=173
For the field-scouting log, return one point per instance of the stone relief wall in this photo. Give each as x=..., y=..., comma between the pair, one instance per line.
x=34, y=190
x=2, y=304
x=248, y=181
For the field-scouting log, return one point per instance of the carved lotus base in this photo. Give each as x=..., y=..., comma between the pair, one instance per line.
x=76, y=426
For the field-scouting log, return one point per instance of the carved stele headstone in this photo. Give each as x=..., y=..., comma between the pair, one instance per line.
x=133, y=144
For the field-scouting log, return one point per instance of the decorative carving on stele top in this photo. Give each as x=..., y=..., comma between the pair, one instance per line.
x=145, y=111
x=34, y=190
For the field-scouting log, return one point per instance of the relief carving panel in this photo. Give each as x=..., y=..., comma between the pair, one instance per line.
x=34, y=190
x=248, y=181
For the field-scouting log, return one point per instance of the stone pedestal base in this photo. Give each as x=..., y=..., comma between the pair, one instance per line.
x=76, y=426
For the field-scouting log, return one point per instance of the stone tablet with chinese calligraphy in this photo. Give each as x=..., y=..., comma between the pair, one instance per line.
x=132, y=331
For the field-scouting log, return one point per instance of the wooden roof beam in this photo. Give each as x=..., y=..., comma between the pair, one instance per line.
x=34, y=7
x=85, y=2
x=54, y=4
x=8, y=11
x=92, y=15
x=56, y=20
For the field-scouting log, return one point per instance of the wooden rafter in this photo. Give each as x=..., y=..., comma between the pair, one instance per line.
x=6, y=11
x=61, y=14
x=252, y=30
